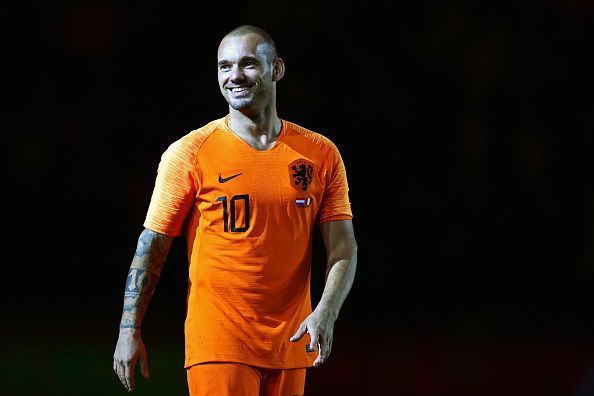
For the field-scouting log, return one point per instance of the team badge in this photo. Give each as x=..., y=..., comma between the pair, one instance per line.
x=301, y=174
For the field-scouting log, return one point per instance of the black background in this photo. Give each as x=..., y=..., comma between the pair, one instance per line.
x=466, y=130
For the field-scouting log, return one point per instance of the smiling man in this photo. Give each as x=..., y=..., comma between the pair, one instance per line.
x=246, y=192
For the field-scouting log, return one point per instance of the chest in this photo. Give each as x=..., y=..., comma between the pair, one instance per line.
x=245, y=189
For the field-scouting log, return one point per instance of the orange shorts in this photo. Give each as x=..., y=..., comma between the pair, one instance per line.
x=236, y=379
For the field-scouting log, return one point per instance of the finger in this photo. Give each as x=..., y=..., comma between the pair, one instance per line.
x=322, y=354
x=129, y=384
x=120, y=373
x=300, y=332
x=125, y=380
x=129, y=375
x=313, y=343
x=318, y=361
x=144, y=366
x=327, y=350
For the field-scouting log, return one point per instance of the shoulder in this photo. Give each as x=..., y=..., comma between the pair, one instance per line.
x=189, y=145
x=194, y=139
x=315, y=140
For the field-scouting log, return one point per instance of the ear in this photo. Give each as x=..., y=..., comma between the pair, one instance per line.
x=278, y=69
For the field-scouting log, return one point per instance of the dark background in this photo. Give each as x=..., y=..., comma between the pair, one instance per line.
x=467, y=132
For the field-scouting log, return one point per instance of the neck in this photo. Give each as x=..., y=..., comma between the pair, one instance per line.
x=258, y=129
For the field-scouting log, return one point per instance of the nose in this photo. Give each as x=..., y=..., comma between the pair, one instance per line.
x=236, y=74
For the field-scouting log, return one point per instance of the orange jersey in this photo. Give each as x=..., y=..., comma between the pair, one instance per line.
x=248, y=218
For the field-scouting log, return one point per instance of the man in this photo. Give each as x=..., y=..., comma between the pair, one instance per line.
x=246, y=191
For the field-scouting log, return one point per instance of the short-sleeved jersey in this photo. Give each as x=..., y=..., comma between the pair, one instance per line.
x=248, y=217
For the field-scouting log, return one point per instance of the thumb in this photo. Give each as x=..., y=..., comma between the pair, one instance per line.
x=300, y=332
x=144, y=366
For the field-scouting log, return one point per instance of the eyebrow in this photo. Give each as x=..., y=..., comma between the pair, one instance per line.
x=243, y=59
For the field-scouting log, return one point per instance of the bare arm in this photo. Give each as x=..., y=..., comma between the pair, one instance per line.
x=144, y=273
x=341, y=249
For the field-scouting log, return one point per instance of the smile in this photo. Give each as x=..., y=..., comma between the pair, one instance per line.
x=239, y=89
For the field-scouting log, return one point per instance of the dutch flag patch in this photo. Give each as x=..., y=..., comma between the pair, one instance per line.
x=303, y=202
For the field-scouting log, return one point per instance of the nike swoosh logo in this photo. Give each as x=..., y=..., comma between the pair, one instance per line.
x=226, y=179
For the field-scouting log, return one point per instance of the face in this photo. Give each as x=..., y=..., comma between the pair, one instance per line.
x=246, y=75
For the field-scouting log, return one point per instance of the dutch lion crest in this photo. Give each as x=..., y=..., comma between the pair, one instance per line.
x=301, y=173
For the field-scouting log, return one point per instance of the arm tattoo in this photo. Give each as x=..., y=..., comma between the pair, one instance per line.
x=143, y=276
x=152, y=244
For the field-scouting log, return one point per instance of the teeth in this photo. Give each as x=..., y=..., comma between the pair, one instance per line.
x=238, y=89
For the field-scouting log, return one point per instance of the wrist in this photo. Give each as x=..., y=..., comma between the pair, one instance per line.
x=129, y=330
x=328, y=311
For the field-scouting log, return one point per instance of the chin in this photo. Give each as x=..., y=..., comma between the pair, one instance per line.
x=240, y=104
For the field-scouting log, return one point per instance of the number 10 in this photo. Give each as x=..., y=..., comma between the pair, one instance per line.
x=234, y=228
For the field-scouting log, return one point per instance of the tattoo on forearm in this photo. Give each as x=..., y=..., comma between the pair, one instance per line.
x=137, y=280
x=152, y=244
x=140, y=286
x=143, y=276
x=128, y=323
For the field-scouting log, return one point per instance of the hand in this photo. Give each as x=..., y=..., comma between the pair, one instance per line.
x=129, y=350
x=319, y=325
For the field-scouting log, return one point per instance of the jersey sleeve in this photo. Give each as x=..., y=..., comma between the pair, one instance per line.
x=335, y=200
x=174, y=192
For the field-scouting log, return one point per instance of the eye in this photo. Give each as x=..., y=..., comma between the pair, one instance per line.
x=224, y=67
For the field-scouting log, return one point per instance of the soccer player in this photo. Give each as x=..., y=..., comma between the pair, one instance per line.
x=246, y=191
